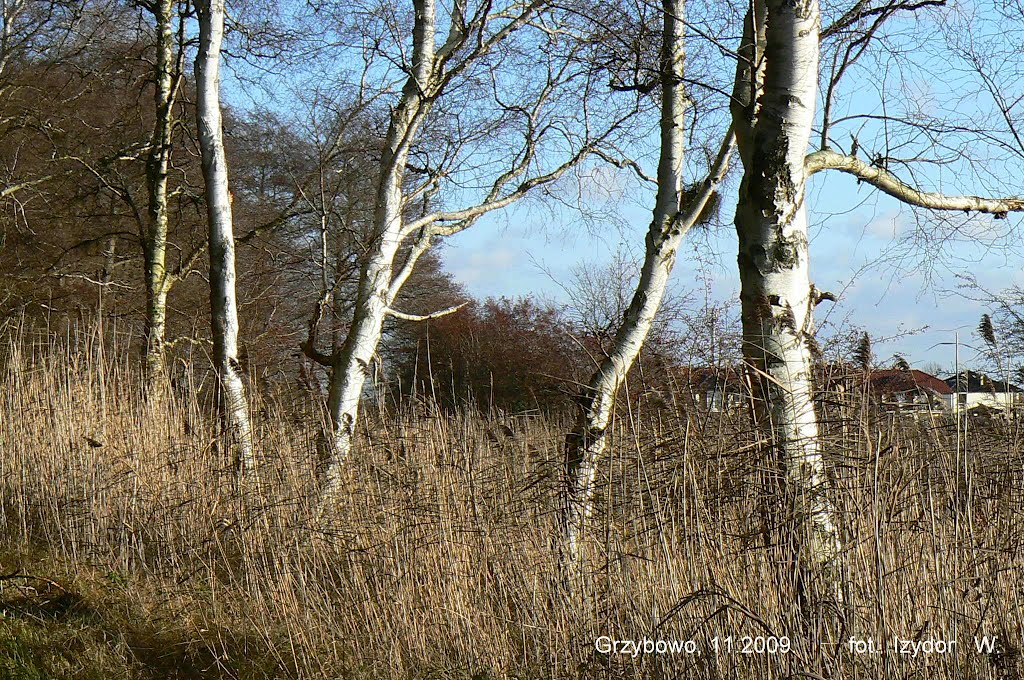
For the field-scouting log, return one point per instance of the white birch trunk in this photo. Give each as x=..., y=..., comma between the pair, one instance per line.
x=223, y=303
x=776, y=292
x=351, y=365
x=432, y=69
x=155, y=332
x=586, y=443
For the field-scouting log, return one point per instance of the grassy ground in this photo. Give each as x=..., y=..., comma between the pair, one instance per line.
x=128, y=550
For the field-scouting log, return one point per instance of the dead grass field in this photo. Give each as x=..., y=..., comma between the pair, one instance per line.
x=130, y=551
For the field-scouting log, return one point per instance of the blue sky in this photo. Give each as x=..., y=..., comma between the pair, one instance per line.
x=861, y=245
x=523, y=253
x=904, y=291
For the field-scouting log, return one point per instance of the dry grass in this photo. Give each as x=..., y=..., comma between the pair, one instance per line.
x=140, y=556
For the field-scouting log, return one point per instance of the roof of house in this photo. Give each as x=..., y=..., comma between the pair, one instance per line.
x=893, y=380
x=971, y=381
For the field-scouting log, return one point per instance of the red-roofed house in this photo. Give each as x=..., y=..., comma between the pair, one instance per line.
x=910, y=390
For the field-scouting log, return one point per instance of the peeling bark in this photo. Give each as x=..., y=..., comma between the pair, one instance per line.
x=777, y=299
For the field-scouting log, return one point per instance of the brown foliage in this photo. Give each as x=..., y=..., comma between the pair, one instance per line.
x=504, y=354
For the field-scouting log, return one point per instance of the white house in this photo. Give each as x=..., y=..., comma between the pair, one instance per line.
x=973, y=390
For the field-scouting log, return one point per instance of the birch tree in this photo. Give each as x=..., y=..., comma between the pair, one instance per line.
x=67, y=52
x=223, y=302
x=773, y=113
x=773, y=107
x=152, y=214
x=675, y=212
x=442, y=68
x=167, y=72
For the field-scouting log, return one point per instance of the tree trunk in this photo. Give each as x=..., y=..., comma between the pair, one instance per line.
x=223, y=303
x=776, y=292
x=377, y=284
x=586, y=443
x=352, y=363
x=431, y=70
x=154, y=241
x=156, y=329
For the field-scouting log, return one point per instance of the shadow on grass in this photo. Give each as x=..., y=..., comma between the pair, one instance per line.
x=49, y=630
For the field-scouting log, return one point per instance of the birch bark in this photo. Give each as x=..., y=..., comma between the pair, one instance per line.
x=669, y=223
x=773, y=110
x=154, y=241
x=223, y=302
x=777, y=297
x=473, y=47
x=351, y=364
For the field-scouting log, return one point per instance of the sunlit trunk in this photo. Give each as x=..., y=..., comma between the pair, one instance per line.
x=377, y=284
x=154, y=241
x=776, y=292
x=586, y=443
x=353, y=362
x=223, y=302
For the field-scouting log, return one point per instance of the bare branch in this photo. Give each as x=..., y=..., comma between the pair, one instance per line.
x=420, y=246
x=289, y=212
x=13, y=188
x=310, y=350
x=625, y=164
x=688, y=215
x=892, y=185
x=308, y=346
x=459, y=217
x=863, y=9
x=425, y=317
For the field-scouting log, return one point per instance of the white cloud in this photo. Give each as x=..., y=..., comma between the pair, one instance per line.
x=886, y=226
x=483, y=267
